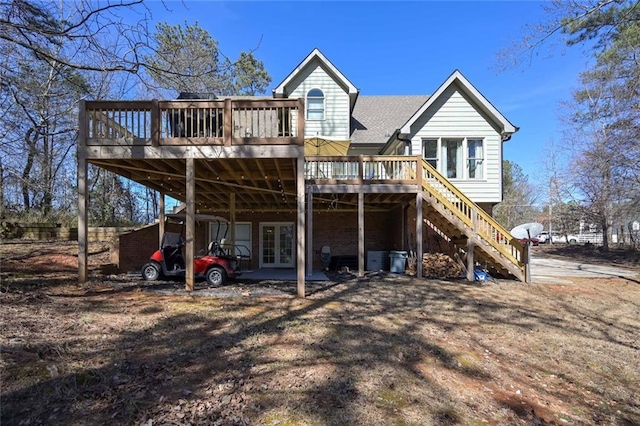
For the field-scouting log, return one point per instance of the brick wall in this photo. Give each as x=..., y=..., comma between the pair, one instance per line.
x=338, y=230
x=134, y=248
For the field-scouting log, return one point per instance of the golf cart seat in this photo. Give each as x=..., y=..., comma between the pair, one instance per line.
x=226, y=247
x=213, y=248
x=172, y=244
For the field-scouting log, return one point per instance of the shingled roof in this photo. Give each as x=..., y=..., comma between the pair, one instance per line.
x=375, y=118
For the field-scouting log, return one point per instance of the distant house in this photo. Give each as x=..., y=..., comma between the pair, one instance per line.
x=318, y=164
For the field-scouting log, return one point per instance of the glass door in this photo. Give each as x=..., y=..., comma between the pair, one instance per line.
x=276, y=245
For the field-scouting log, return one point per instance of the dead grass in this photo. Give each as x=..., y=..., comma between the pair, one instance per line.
x=382, y=350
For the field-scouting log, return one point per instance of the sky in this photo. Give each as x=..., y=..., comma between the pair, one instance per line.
x=402, y=48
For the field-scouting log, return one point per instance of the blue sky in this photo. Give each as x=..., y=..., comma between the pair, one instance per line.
x=389, y=48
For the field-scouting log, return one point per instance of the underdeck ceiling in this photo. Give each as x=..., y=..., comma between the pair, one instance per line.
x=260, y=184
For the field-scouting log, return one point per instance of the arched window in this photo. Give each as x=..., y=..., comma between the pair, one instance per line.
x=315, y=105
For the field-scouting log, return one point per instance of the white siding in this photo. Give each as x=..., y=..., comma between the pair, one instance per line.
x=336, y=122
x=453, y=115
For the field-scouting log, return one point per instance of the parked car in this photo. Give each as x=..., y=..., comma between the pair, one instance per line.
x=562, y=238
x=557, y=237
x=543, y=237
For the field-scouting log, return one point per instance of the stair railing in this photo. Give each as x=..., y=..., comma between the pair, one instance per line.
x=474, y=217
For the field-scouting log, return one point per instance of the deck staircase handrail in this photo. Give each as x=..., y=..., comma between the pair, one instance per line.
x=467, y=211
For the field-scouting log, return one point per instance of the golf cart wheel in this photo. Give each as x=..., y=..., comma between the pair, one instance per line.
x=216, y=276
x=573, y=241
x=151, y=271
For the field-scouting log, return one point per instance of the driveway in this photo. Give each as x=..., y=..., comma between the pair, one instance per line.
x=544, y=268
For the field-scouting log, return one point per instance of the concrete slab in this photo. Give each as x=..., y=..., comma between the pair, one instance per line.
x=280, y=274
x=544, y=268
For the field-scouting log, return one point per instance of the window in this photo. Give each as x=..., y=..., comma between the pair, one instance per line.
x=315, y=105
x=452, y=158
x=430, y=151
x=243, y=236
x=475, y=158
x=461, y=158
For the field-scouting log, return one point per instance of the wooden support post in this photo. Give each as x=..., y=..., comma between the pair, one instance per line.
x=300, y=123
x=470, y=260
x=301, y=225
x=405, y=225
x=309, y=242
x=83, y=194
x=361, y=233
x=191, y=224
x=232, y=219
x=526, y=253
x=161, y=218
x=155, y=123
x=471, y=264
x=419, y=237
x=227, y=130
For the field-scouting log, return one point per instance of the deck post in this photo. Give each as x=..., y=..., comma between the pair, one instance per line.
x=419, y=231
x=232, y=225
x=471, y=247
x=300, y=123
x=227, y=130
x=301, y=225
x=161, y=218
x=155, y=122
x=361, y=233
x=83, y=252
x=309, y=242
x=191, y=224
x=526, y=259
x=470, y=260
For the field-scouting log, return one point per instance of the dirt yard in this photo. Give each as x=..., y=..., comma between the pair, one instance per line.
x=375, y=351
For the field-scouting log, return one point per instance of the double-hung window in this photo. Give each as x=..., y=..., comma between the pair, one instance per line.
x=452, y=158
x=475, y=158
x=430, y=151
x=315, y=105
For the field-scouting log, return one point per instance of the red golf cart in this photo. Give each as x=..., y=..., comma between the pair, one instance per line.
x=217, y=266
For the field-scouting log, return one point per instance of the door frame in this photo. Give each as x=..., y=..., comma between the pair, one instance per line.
x=292, y=264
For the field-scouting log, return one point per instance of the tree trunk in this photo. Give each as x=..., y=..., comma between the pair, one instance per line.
x=26, y=171
x=47, y=185
x=605, y=236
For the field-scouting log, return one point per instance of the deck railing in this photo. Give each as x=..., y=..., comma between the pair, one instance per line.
x=195, y=122
x=368, y=169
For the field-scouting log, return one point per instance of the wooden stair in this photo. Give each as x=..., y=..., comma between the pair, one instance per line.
x=454, y=215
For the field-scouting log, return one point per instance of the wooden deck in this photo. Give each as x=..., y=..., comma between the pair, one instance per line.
x=248, y=155
x=250, y=147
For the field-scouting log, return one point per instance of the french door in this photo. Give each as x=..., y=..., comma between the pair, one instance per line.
x=277, y=245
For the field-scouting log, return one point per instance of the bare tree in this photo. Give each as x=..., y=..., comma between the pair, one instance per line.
x=40, y=126
x=570, y=23
x=80, y=27
x=519, y=197
x=603, y=136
